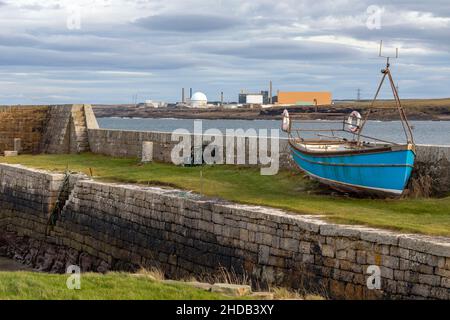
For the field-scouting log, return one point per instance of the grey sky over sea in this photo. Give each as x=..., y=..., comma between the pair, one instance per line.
x=105, y=51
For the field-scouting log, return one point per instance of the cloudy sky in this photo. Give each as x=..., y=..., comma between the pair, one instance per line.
x=106, y=51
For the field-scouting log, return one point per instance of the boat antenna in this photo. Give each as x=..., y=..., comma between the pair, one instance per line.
x=387, y=74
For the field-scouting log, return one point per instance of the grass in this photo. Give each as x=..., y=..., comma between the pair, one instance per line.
x=113, y=286
x=287, y=190
x=145, y=285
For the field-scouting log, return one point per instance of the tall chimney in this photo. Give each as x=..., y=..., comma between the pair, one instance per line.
x=270, y=93
x=190, y=93
x=221, y=99
x=183, y=98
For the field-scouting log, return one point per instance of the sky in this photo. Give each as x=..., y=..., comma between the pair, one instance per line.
x=107, y=51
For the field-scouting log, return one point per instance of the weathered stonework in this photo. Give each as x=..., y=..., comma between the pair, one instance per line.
x=74, y=129
x=107, y=226
x=26, y=123
x=431, y=174
x=120, y=143
x=46, y=129
x=66, y=130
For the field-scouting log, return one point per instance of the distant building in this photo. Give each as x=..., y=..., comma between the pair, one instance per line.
x=254, y=98
x=155, y=104
x=198, y=100
x=305, y=98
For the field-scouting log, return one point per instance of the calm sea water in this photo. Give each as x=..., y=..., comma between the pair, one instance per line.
x=425, y=132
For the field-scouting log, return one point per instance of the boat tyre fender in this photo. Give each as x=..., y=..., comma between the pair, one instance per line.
x=286, y=127
x=354, y=122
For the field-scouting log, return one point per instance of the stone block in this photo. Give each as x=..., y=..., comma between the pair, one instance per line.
x=305, y=247
x=147, y=152
x=289, y=244
x=336, y=230
x=263, y=254
x=308, y=258
x=11, y=153
x=18, y=145
x=232, y=290
x=379, y=236
x=361, y=257
x=263, y=296
x=434, y=246
x=391, y=262
x=443, y=272
x=440, y=293
x=445, y=282
x=328, y=251
x=421, y=290
x=429, y=279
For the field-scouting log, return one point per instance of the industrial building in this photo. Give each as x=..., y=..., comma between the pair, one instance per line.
x=254, y=98
x=154, y=104
x=305, y=98
x=198, y=100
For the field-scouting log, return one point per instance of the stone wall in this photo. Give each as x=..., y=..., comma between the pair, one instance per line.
x=74, y=129
x=66, y=130
x=431, y=175
x=121, y=227
x=26, y=123
x=45, y=129
x=430, y=178
x=120, y=143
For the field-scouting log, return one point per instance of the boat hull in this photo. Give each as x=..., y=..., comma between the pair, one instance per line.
x=383, y=173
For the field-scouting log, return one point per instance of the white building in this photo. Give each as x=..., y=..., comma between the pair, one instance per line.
x=155, y=104
x=198, y=100
x=255, y=99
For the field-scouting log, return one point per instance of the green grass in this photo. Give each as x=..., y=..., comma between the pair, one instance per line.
x=113, y=286
x=287, y=190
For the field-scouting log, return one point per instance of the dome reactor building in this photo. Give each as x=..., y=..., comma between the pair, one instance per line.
x=198, y=100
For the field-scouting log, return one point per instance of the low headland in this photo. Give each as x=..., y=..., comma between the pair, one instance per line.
x=431, y=109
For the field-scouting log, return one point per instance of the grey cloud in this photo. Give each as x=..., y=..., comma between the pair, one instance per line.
x=188, y=23
x=214, y=44
x=285, y=50
x=72, y=60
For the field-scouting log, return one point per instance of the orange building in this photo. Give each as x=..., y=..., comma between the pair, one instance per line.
x=305, y=98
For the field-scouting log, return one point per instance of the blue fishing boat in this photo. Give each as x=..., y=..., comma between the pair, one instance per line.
x=382, y=170
x=351, y=161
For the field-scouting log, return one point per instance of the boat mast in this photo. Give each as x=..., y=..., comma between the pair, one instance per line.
x=404, y=120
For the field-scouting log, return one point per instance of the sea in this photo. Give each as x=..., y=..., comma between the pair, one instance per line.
x=425, y=132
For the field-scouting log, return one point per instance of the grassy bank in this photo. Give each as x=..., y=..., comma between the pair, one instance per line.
x=287, y=190
x=114, y=286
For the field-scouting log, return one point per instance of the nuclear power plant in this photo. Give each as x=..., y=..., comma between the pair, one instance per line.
x=262, y=98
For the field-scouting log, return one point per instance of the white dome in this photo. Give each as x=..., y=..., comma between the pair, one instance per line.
x=199, y=97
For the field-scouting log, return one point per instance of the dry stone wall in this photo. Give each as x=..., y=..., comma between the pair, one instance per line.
x=25, y=123
x=432, y=171
x=66, y=130
x=120, y=143
x=122, y=227
x=45, y=129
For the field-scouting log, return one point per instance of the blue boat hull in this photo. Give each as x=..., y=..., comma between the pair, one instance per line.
x=386, y=172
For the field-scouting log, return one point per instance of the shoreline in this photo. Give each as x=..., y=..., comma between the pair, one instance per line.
x=339, y=112
x=262, y=119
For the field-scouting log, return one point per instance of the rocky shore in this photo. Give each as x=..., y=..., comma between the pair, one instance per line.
x=434, y=110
